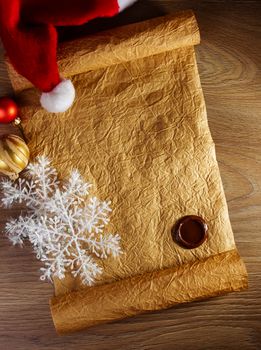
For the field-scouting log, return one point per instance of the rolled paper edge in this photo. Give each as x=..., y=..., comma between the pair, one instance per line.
x=216, y=275
x=114, y=46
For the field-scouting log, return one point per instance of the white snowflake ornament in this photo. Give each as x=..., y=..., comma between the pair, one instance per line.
x=65, y=228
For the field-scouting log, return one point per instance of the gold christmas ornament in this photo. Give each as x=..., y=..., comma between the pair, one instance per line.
x=14, y=155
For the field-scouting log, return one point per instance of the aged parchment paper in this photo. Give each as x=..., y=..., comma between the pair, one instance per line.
x=138, y=131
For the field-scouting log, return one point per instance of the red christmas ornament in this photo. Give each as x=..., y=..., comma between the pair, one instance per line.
x=8, y=110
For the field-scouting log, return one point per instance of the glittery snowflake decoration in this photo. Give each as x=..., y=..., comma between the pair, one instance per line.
x=65, y=227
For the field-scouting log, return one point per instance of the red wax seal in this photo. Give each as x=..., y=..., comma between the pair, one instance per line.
x=8, y=110
x=190, y=231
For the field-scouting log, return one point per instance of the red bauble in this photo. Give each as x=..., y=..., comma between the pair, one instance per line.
x=8, y=110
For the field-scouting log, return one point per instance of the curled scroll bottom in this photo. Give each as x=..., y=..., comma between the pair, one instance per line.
x=216, y=275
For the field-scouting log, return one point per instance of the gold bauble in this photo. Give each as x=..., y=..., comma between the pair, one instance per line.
x=14, y=155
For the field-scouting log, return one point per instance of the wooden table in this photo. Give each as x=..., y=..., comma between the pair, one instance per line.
x=229, y=60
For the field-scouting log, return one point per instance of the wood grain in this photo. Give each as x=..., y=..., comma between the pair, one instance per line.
x=229, y=60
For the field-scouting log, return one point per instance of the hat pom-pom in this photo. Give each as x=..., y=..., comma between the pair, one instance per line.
x=123, y=4
x=60, y=98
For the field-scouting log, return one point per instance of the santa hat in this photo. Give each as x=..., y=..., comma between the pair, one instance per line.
x=28, y=32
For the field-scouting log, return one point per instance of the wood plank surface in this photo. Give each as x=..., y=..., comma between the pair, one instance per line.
x=229, y=60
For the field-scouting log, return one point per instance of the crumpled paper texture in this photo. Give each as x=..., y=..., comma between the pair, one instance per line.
x=138, y=132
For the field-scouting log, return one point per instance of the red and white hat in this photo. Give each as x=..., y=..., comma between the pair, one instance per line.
x=28, y=32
